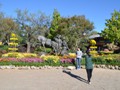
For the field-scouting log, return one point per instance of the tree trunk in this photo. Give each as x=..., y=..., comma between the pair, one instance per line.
x=28, y=47
x=76, y=44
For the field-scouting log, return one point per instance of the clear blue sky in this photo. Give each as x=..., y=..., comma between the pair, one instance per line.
x=97, y=11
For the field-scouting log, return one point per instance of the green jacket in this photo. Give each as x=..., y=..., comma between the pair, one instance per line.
x=88, y=62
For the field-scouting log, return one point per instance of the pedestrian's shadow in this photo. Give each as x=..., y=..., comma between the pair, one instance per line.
x=75, y=76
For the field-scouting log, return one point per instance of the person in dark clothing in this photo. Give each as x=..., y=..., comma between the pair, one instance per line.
x=89, y=66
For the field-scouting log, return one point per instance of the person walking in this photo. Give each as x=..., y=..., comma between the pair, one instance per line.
x=78, y=58
x=89, y=66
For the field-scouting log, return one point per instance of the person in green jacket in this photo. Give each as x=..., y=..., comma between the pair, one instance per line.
x=89, y=66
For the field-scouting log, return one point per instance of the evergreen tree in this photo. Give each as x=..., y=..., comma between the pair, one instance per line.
x=54, y=24
x=112, y=29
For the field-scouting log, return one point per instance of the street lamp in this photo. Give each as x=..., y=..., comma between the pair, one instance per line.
x=84, y=33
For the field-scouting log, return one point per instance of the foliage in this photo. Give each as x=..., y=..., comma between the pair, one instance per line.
x=94, y=52
x=51, y=61
x=32, y=59
x=106, y=52
x=112, y=29
x=7, y=26
x=13, y=43
x=112, y=47
x=92, y=42
x=111, y=59
x=19, y=55
x=93, y=47
x=72, y=55
x=75, y=30
x=41, y=49
x=30, y=26
x=54, y=24
x=4, y=47
x=0, y=43
x=51, y=58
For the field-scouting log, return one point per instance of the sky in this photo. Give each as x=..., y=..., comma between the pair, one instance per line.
x=96, y=11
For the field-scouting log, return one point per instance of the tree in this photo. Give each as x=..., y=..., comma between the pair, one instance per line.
x=7, y=25
x=75, y=30
x=1, y=23
x=112, y=29
x=31, y=25
x=54, y=24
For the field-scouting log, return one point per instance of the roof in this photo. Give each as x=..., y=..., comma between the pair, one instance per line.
x=94, y=36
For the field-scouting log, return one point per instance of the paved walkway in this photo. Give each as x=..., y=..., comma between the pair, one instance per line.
x=56, y=79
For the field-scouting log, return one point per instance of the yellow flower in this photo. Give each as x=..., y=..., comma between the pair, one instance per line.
x=93, y=47
x=13, y=35
x=13, y=49
x=0, y=43
x=14, y=39
x=13, y=44
x=72, y=55
x=51, y=57
x=92, y=42
x=29, y=55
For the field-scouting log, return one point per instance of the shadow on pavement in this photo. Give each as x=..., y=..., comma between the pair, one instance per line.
x=75, y=76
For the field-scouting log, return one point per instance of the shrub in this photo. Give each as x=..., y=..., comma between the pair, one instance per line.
x=107, y=59
x=106, y=52
x=19, y=55
x=58, y=61
x=4, y=47
x=50, y=58
x=72, y=55
x=42, y=49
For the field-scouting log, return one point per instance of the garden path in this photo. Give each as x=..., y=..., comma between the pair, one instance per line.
x=56, y=79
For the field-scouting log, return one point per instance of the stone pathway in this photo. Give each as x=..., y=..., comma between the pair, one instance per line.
x=56, y=79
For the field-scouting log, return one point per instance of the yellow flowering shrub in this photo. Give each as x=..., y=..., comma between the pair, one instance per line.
x=13, y=44
x=19, y=55
x=30, y=55
x=13, y=38
x=12, y=49
x=13, y=35
x=72, y=55
x=108, y=57
x=0, y=43
x=94, y=53
x=92, y=42
x=93, y=47
x=55, y=59
x=13, y=54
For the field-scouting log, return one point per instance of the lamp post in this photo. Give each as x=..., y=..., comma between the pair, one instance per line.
x=83, y=40
x=84, y=33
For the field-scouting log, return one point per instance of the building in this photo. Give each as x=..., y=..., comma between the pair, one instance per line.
x=100, y=41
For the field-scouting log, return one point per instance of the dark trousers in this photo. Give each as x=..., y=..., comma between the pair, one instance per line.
x=89, y=74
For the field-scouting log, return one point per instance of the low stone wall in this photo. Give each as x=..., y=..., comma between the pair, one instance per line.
x=29, y=67
x=58, y=67
x=107, y=67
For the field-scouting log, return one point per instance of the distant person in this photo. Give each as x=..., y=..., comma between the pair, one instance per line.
x=89, y=66
x=78, y=58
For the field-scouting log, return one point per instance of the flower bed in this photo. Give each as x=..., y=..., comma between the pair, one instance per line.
x=36, y=61
x=112, y=59
x=51, y=60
